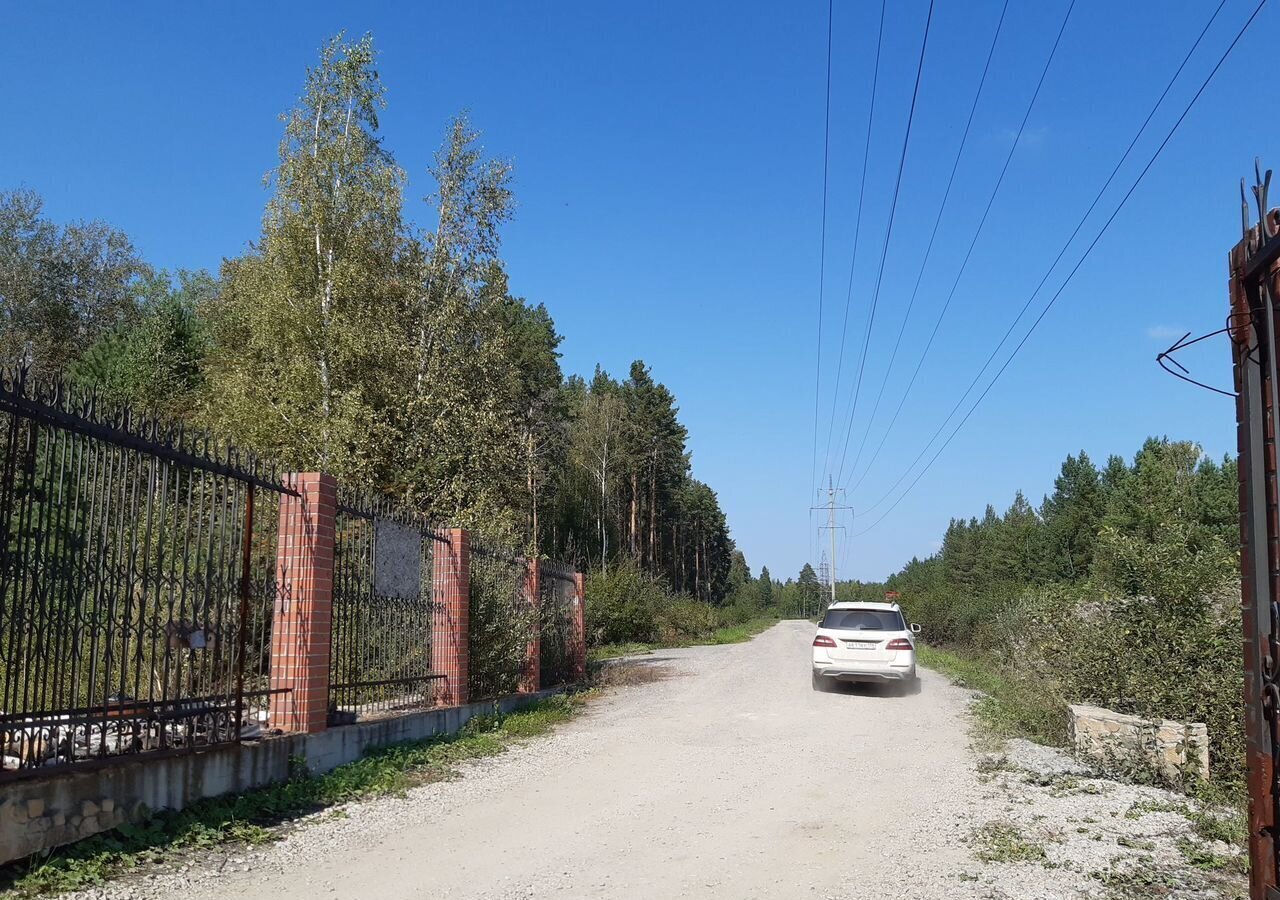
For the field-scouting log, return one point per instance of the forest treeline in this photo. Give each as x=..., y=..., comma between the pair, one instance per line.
x=1121, y=589
x=346, y=338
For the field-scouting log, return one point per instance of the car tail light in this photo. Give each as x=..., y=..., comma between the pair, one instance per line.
x=823, y=641
x=898, y=644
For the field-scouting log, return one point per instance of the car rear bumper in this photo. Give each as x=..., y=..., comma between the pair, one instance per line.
x=865, y=671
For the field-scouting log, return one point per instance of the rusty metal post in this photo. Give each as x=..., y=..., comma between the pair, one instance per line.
x=1254, y=339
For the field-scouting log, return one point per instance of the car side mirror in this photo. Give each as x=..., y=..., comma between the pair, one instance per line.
x=915, y=629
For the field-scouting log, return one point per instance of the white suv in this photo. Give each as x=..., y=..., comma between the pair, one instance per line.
x=864, y=642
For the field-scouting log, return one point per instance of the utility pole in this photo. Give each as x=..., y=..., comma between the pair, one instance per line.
x=831, y=508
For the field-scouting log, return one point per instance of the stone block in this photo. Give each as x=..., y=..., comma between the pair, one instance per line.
x=1173, y=749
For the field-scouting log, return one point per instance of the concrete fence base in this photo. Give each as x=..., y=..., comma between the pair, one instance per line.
x=1172, y=749
x=40, y=813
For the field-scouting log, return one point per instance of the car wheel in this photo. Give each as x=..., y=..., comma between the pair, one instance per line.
x=818, y=683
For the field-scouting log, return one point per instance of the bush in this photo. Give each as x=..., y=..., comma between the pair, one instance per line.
x=629, y=606
x=625, y=605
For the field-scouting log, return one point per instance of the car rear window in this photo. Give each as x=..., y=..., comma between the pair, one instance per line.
x=864, y=620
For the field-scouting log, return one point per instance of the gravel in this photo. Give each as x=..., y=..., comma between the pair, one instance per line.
x=731, y=779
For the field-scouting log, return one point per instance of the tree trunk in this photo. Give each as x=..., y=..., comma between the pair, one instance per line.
x=653, y=520
x=635, y=498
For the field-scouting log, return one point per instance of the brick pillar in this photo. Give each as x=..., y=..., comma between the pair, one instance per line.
x=303, y=617
x=451, y=619
x=531, y=673
x=579, y=628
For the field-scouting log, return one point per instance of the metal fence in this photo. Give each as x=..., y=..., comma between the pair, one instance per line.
x=383, y=610
x=557, y=591
x=502, y=621
x=136, y=583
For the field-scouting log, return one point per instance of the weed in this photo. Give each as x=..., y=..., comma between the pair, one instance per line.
x=1009, y=707
x=1202, y=857
x=1001, y=842
x=1146, y=807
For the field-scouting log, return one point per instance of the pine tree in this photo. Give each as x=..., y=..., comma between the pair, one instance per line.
x=764, y=587
x=1072, y=515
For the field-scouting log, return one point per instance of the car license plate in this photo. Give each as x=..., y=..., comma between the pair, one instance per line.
x=860, y=645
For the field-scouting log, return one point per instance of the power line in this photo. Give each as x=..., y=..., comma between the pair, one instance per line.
x=884, y=252
x=946, y=195
x=964, y=264
x=1088, y=250
x=822, y=251
x=1079, y=225
x=857, y=232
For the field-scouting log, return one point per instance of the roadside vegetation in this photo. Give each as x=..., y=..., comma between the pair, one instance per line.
x=264, y=815
x=633, y=612
x=1121, y=589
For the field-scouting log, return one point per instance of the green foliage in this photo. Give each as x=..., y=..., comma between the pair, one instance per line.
x=631, y=609
x=155, y=362
x=499, y=626
x=1002, y=842
x=63, y=287
x=1013, y=705
x=254, y=817
x=1122, y=592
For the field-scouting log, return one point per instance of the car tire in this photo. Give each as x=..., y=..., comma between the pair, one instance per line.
x=819, y=684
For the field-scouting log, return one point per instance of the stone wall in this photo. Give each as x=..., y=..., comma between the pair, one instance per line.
x=1173, y=749
x=40, y=812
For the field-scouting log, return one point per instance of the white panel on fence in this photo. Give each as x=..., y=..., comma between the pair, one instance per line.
x=397, y=560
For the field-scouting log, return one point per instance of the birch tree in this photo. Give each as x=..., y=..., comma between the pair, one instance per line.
x=309, y=320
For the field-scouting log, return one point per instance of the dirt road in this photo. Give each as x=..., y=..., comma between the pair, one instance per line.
x=731, y=778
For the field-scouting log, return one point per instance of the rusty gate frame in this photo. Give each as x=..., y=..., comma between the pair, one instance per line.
x=1254, y=266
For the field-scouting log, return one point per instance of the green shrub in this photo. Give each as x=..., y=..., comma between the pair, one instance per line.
x=624, y=605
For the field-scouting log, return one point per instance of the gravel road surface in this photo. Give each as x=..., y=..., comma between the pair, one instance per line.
x=729, y=777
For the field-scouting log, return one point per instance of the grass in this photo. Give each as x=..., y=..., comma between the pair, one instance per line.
x=729, y=634
x=258, y=816
x=1010, y=707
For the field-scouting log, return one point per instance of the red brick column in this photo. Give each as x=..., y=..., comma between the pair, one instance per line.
x=531, y=674
x=579, y=628
x=304, y=604
x=451, y=620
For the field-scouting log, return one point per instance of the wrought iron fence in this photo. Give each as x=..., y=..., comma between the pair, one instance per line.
x=383, y=610
x=557, y=591
x=136, y=583
x=502, y=621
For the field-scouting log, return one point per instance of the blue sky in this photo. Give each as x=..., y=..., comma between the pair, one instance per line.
x=669, y=176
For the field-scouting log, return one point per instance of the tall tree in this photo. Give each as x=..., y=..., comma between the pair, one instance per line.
x=62, y=288
x=155, y=362
x=597, y=447
x=764, y=586
x=1072, y=515
x=307, y=325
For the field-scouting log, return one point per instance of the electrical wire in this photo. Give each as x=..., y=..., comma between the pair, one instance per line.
x=822, y=252
x=857, y=233
x=937, y=222
x=964, y=264
x=1080, y=262
x=884, y=251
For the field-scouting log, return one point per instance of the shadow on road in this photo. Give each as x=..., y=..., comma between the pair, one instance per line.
x=886, y=690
